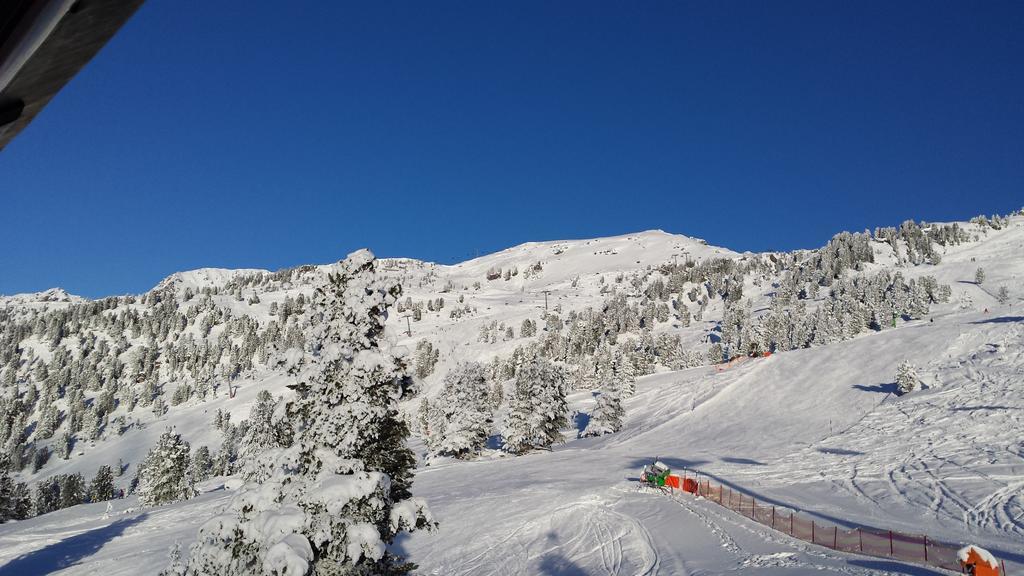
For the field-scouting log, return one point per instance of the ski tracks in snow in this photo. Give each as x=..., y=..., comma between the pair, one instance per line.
x=722, y=522
x=585, y=536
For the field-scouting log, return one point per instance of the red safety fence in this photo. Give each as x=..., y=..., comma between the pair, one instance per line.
x=918, y=548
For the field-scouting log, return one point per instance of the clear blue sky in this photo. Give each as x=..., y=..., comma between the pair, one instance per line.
x=270, y=134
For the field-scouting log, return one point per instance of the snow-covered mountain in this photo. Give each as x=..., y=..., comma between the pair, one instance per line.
x=814, y=426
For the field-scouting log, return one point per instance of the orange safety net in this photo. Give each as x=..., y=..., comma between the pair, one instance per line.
x=861, y=540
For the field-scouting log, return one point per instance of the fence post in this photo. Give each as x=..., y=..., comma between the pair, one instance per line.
x=753, y=508
x=860, y=537
x=790, y=523
x=773, y=517
x=812, y=531
x=835, y=538
x=890, y=542
x=925, y=547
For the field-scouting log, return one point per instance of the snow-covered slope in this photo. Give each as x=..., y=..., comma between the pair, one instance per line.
x=816, y=429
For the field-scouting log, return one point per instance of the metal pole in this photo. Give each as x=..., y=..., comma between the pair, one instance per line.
x=925, y=547
x=773, y=517
x=890, y=543
x=812, y=531
x=835, y=538
x=860, y=538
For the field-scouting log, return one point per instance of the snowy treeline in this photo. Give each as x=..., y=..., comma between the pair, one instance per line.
x=18, y=501
x=81, y=371
x=853, y=305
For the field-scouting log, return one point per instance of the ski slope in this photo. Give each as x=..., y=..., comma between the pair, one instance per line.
x=814, y=429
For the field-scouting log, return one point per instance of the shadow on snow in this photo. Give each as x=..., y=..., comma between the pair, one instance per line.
x=889, y=388
x=1001, y=320
x=67, y=552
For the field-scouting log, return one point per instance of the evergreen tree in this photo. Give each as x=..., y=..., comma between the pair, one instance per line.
x=516, y=434
x=64, y=445
x=261, y=435
x=15, y=501
x=47, y=496
x=1003, y=295
x=90, y=424
x=202, y=464
x=73, y=490
x=49, y=419
x=497, y=395
x=175, y=564
x=607, y=415
x=528, y=328
x=423, y=419
x=623, y=374
x=163, y=474
x=979, y=276
x=907, y=379
x=341, y=492
x=426, y=359
x=466, y=411
x=102, y=487
x=537, y=408
x=20, y=504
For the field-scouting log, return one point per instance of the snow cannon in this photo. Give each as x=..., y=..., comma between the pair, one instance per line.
x=977, y=561
x=656, y=474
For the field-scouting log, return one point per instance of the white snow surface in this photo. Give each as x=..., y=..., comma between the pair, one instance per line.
x=816, y=430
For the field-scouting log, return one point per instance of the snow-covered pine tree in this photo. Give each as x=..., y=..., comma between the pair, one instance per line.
x=47, y=496
x=175, y=564
x=606, y=418
x=72, y=490
x=623, y=374
x=163, y=474
x=528, y=328
x=341, y=492
x=537, y=407
x=516, y=432
x=90, y=424
x=14, y=497
x=102, y=486
x=423, y=419
x=64, y=445
x=201, y=466
x=979, y=276
x=497, y=395
x=1003, y=295
x=425, y=359
x=465, y=407
x=907, y=379
x=261, y=435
